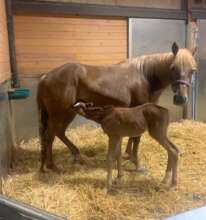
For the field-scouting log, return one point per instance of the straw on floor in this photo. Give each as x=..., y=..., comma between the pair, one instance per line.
x=77, y=192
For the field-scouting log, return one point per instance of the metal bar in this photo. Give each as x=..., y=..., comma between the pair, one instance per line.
x=130, y=37
x=194, y=95
x=12, y=51
x=194, y=77
x=28, y=6
x=28, y=210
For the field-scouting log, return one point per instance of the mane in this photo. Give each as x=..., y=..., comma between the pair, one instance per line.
x=159, y=62
x=157, y=67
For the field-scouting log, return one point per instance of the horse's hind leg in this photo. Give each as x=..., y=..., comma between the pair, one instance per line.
x=61, y=135
x=46, y=151
x=128, y=150
x=132, y=150
x=174, y=162
x=172, y=151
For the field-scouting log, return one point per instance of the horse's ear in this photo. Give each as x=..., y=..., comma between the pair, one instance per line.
x=194, y=50
x=175, y=48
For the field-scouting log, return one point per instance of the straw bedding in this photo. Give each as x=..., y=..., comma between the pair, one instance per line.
x=77, y=192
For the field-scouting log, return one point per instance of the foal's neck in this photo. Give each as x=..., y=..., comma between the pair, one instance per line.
x=156, y=69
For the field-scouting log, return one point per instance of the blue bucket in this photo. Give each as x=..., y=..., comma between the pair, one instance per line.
x=19, y=93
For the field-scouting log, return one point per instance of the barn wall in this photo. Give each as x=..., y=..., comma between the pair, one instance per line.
x=5, y=115
x=45, y=42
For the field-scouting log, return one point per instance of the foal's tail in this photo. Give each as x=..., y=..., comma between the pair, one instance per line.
x=43, y=124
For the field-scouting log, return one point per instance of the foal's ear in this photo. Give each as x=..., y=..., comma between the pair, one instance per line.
x=175, y=48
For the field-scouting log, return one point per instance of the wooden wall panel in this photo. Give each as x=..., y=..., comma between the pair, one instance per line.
x=4, y=48
x=44, y=42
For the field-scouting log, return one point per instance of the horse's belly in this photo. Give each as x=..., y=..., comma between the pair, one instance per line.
x=124, y=129
x=102, y=97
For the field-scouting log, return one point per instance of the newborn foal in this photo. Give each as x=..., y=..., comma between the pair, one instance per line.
x=119, y=122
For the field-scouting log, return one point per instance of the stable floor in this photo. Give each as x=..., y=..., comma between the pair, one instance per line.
x=77, y=192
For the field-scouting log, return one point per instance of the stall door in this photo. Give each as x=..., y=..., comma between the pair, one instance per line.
x=148, y=36
x=201, y=96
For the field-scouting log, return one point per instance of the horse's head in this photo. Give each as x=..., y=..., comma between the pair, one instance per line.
x=182, y=68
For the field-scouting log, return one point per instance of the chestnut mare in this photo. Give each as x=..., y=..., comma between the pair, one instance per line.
x=130, y=83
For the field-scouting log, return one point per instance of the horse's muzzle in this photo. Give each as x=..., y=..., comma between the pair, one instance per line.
x=180, y=100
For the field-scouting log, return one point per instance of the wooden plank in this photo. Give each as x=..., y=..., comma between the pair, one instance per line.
x=71, y=43
x=69, y=50
x=71, y=35
x=68, y=20
x=73, y=28
x=66, y=57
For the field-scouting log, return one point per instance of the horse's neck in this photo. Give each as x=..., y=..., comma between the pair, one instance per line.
x=157, y=71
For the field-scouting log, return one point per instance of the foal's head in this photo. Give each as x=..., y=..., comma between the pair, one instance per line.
x=182, y=67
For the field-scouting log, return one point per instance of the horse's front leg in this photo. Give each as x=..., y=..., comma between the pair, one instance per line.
x=61, y=135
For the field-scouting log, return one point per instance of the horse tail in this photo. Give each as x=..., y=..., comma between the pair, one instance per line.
x=43, y=125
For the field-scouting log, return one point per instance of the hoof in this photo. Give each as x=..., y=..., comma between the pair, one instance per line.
x=117, y=181
x=78, y=159
x=173, y=187
x=126, y=157
x=139, y=170
x=105, y=191
x=54, y=168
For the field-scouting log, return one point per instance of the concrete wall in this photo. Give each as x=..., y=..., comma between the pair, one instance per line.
x=6, y=138
x=26, y=114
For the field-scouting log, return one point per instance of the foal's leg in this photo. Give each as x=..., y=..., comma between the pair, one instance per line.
x=111, y=157
x=119, y=160
x=174, y=162
x=171, y=163
x=159, y=134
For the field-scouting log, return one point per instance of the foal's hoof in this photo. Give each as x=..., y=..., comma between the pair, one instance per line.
x=173, y=187
x=78, y=159
x=105, y=191
x=126, y=157
x=141, y=170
